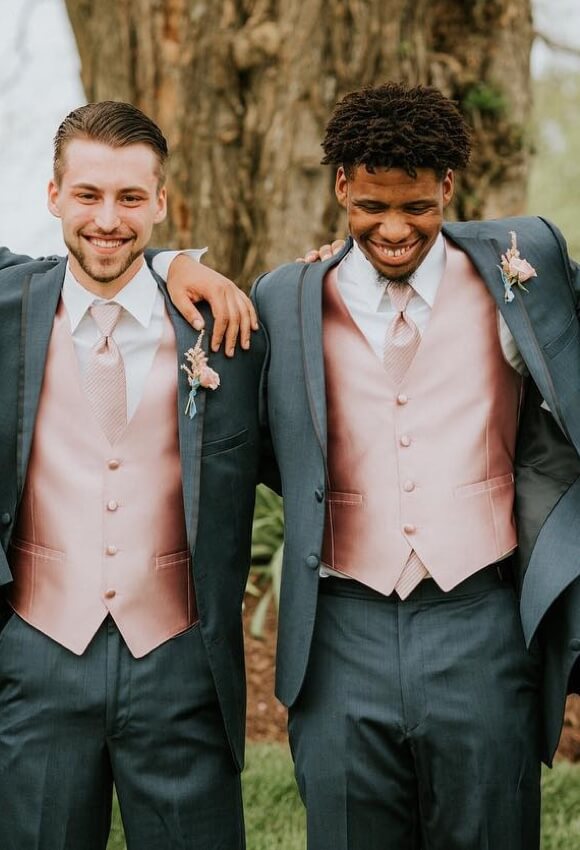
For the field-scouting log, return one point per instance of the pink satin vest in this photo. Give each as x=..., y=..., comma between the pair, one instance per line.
x=427, y=465
x=101, y=528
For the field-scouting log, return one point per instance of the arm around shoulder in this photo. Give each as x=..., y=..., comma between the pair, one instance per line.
x=8, y=259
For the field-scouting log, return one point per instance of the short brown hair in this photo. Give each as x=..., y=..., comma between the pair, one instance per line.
x=113, y=123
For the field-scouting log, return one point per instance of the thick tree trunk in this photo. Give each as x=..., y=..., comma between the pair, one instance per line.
x=243, y=88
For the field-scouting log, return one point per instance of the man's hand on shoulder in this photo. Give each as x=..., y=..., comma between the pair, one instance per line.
x=325, y=252
x=234, y=315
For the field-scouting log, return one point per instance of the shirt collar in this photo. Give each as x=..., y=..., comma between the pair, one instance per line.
x=137, y=297
x=425, y=281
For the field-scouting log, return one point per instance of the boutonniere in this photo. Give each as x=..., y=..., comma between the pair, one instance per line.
x=514, y=270
x=199, y=374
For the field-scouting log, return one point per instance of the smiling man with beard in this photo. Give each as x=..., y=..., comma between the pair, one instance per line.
x=125, y=523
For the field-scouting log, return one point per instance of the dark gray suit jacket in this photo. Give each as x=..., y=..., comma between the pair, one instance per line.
x=219, y=451
x=544, y=323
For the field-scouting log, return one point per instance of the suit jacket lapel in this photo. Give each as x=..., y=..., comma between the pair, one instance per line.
x=486, y=254
x=310, y=295
x=190, y=430
x=41, y=294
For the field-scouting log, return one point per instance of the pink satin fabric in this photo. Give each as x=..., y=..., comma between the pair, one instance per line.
x=101, y=528
x=427, y=464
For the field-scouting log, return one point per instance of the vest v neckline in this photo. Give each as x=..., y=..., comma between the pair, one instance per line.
x=150, y=383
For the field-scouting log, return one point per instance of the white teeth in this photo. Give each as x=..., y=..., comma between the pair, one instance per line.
x=397, y=252
x=107, y=243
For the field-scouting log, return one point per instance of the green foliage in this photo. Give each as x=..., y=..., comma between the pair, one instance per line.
x=555, y=175
x=275, y=816
x=267, y=555
x=485, y=99
x=560, y=811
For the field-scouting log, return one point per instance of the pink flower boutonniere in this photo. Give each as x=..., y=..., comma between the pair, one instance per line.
x=199, y=374
x=514, y=270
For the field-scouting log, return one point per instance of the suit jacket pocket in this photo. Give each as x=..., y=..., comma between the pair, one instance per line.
x=224, y=444
x=570, y=332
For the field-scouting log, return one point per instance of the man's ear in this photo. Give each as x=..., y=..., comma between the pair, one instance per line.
x=52, y=199
x=448, y=184
x=341, y=187
x=161, y=213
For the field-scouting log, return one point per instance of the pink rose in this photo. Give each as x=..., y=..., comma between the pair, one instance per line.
x=208, y=378
x=521, y=269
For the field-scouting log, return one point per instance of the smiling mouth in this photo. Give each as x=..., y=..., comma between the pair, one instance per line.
x=105, y=244
x=399, y=253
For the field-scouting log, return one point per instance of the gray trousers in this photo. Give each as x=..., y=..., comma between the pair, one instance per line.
x=418, y=723
x=72, y=726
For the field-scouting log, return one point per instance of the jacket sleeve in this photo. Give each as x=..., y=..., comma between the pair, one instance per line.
x=9, y=260
x=268, y=473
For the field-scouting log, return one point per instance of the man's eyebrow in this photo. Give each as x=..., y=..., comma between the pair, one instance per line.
x=85, y=186
x=122, y=191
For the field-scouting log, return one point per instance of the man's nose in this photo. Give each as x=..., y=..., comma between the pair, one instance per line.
x=107, y=218
x=394, y=228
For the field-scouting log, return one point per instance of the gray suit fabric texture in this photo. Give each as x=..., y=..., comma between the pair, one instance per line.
x=193, y=685
x=544, y=324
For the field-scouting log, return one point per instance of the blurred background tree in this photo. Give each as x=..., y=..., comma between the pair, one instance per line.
x=243, y=89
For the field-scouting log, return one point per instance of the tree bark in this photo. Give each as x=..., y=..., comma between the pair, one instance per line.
x=243, y=89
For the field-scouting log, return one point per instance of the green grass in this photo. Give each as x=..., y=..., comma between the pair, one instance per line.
x=560, y=809
x=275, y=817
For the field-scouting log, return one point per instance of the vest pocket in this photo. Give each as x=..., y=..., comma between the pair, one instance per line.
x=335, y=497
x=174, y=559
x=485, y=486
x=41, y=552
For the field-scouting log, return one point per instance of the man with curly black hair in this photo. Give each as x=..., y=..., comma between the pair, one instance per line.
x=395, y=383
x=418, y=717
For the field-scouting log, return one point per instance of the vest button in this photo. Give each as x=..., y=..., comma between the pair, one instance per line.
x=312, y=561
x=110, y=594
x=112, y=550
x=113, y=463
x=6, y=518
x=408, y=486
x=402, y=398
x=112, y=505
x=405, y=440
x=319, y=493
x=409, y=529
x=574, y=644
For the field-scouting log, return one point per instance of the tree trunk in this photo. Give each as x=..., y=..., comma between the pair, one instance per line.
x=243, y=89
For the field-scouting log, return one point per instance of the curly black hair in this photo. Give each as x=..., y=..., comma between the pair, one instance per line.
x=395, y=126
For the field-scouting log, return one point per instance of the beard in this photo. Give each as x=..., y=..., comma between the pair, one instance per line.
x=106, y=270
x=383, y=281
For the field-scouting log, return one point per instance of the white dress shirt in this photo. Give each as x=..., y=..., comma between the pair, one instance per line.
x=365, y=295
x=368, y=301
x=137, y=333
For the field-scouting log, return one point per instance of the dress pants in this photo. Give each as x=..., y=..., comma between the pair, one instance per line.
x=72, y=726
x=417, y=727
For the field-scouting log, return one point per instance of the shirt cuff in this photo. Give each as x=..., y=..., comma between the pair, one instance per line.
x=163, y=260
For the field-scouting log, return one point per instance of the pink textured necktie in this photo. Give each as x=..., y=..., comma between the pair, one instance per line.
x=105, y=383
x=402, y=338
x=401, y=343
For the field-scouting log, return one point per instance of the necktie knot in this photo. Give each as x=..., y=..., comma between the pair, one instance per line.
x=106, y=315
x=402, y=337
x=400, y=295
